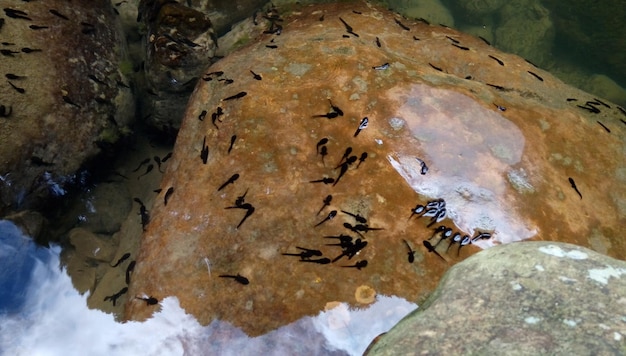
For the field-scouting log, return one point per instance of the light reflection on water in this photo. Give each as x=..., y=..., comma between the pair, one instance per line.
x=42, y=314
x=469, y=149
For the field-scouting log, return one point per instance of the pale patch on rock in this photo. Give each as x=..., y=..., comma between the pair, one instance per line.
x=558, y=252
x=602, y=275
x=532, y=320
x=297, y=69
x=396, y=123
x=567, y=280
x=569, y=322
x=519, y=180
x=365, y=294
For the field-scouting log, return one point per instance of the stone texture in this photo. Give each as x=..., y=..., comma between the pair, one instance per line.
x=225, y=13
x=90, y=245
x=504, y=171
x=102, y=209
x=110, y=280
x=59, y=116
x=431, y=10
x=474, y=8
x=526, y=29
x=605, y=87
x=520, y=299
x=180, y=42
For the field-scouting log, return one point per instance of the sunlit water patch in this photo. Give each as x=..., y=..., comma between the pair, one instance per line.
x=42, y=314
x=470, y=151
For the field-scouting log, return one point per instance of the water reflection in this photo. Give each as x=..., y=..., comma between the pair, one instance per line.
x=470, y=150
x=42, y=314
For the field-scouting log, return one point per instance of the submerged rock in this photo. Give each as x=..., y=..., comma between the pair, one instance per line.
x=524, y=298
x=180, y=43
x=484, y=137
x=64, y=96
x=587, y=39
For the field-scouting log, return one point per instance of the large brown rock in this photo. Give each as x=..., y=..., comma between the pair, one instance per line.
x=499, y=136
x=64, y=95
x=535, y=298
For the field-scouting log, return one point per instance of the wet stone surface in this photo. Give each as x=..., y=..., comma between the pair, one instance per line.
x=450, y=121
x=64, y=97
x=180, y=43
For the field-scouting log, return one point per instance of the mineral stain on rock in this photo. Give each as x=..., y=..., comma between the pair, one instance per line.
x=449, y=119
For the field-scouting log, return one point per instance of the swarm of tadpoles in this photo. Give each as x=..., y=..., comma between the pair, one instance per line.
x=436, y=210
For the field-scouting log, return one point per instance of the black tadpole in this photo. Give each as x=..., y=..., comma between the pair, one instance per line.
x=149, y=300
x=573, y=184
x=431, y=248
x=122, y=259
x=233, y=138
x=129, y=270
x=345, y=155
x=344, y=169
x=330, y=216
x=403, y=26
x=357, y=217
x=204, y=153
x=230, y=180
x=239, y=278
x=323, y=153
x=236, y=96
x=362, y=125
x=157, y=159
x=410, y=253
x=148, y=170
x=113, y=298
x=145, y=161
x=321, y=261
x=167, y=195
x=327, y=180
x=305, y=253
x=326, y=202
x=361, y=159
x=358, y=265
x=321, y=143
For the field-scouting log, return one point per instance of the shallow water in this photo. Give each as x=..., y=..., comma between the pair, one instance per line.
x=42, y=313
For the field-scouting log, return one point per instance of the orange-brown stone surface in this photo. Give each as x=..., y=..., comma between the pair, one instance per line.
x=499, y=136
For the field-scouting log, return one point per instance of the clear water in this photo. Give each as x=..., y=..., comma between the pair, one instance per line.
x=42, y=314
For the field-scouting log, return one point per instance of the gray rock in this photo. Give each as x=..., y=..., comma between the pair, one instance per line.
x=520, y=299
